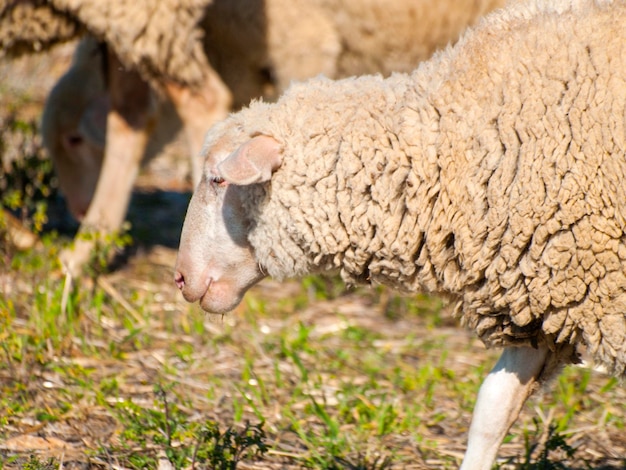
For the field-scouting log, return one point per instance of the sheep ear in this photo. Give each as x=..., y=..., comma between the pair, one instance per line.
x=253, y=162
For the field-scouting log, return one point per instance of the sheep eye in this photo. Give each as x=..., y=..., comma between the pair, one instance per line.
x=73, y=140
x=217, y=180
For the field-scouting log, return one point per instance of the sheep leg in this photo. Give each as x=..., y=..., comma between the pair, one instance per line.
x=198, y=109
x=129, y=122
x=500, y=400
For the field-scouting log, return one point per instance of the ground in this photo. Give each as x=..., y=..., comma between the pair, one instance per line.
x=116, y=371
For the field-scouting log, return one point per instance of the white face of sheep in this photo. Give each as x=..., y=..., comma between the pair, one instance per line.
x=216, y=264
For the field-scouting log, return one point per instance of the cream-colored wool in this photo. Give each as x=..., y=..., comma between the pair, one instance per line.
x=160, y=38
x=297, y=39
x=494, y=173
x=396, y=35
x=258, y=47
x=32, y=26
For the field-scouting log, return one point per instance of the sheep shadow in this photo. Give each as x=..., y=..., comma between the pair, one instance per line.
x=155, y=218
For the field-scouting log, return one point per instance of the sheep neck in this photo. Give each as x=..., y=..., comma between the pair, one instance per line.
x=358, y=195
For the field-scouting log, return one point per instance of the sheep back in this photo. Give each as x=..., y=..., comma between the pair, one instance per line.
x=395, y=35
x=159, y=38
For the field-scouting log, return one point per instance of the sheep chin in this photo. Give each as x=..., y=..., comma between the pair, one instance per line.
x=221, y=297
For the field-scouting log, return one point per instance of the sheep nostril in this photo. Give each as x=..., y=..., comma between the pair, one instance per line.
x=179, y=279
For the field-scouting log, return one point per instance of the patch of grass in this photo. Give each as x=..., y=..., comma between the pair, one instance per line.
x=34, y=463
x=325, y=442
x=106, y=246
x=165, y=429
x=397, y=306
x=26, y=175
x=323, y=287
x=545, y=448
x=554, y=441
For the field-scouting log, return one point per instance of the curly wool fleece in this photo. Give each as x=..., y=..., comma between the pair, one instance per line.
x=139, y=31
x=493, y=173
x=135, y=31
x=28, y=26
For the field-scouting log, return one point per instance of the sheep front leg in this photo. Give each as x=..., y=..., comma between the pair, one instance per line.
x=129, y=123
x=501, y=397
x=199, y=108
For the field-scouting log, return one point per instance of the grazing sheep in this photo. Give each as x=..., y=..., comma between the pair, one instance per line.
x=257, y=48
x=74, y=125
x=493, y=174
x=162, y=41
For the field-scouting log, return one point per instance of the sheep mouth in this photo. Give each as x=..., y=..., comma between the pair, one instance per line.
x=220, y=298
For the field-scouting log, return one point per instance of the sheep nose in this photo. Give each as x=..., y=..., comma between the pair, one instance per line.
x=179, y=279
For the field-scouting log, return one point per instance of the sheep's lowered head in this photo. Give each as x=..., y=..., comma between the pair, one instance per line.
x=74, y=127
x=216, y=264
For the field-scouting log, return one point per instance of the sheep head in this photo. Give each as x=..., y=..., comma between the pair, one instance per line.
x=216, y=263
x=77, y=153
x=73, y=126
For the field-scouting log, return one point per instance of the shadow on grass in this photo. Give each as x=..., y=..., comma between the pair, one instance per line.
x=156, y=218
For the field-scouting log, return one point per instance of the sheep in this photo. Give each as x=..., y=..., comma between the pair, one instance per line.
x=159, y=42
x=77, y=126
x=256, y=47
x=73, y=125
x=491, y=175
